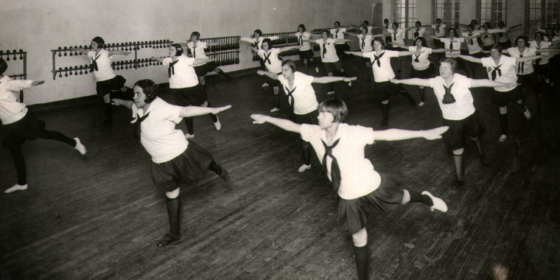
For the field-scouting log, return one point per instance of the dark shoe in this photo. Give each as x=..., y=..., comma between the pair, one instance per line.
x=106, y=122
x=167, y=239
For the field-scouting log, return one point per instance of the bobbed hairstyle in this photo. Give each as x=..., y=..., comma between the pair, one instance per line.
x=258, y=31
x=178, y=49
x=522, y=38
x=269, y=42
x=451, y=62
x=497, y=47
x=290, y=63
x=302, y=26
x=3, y=66
x=99, y=41
x=197, y=34
x=149, y=88
x=422, y=40
x=336, y=107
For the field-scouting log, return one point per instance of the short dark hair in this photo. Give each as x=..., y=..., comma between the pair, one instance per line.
x=149, y=88
x=451, y=62
x=302, y=27
x=366, y=22
x=258, y=31
x=524, y=38
x=452, y=30
x=539, y=33
x=99, y=41
x=3, y=66
x=336, y=107
x=337, y=22
x=178, y=49
x=497, y=47
x=438, y=19
x=290, y=63
x=396, y=23
x=386, y=21
x=423, y=41
x=325, y=31
x=269, y=42
x=380, y=40
x=197, y=34
x=418, y=22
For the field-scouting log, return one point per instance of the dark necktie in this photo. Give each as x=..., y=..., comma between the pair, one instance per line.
x=521, y=65
x=437, y=29
x=300, y=40
x=336, y=35
x=496, y=70
x=171, y=68
x=416, y=56
x=416, y=34
x=471, y=40
x=194, y=51
x=451, y=44
x=267, y=58
x=448, y=97
x=290, y=97
x=324, y=49
x=93, y=65
x=138, y=126
x=363, y=42
x=335, y=170
x=377, y=58
x=550, y=38
x=257, y=44
x=395, y=35
x=538, y=61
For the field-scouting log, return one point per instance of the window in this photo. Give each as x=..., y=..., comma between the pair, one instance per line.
x=492, y=11
x=447, y=11
x=542, y=14
x=405, y=14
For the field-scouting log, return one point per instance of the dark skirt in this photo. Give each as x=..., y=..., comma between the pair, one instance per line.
x=204, y=69
x=28, y=128
x=501, y=99
x=423, y=74
x=341, y=49
x=303, y=55
x=105, y=87
x=384, y=90
x=528, y=79
x=542, y=70
x=353, y=214
x=472, y=126
x=185, y=169
x=309, y=118
x=330, y=67
x=189, y=96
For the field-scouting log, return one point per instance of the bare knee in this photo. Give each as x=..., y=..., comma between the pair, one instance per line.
x=458, y=152
x=107, y=98
x=385, y=102
x=503, y=110
x=360, y=238
x=173, y=194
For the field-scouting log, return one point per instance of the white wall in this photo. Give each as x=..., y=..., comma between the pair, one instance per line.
x=37, y=26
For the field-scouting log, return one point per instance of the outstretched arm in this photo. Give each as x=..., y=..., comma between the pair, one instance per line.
x=441, y=50
x=489, y=83
x=16, y=85
x=470, y=58
x=158, y=59
x=355, y=53
x=342, y=40
x=528, y=58
x=412, y=82
x=401, y=134
x=400, y=46
x=200, y=61
x=269, y=74
x=281, y=123
x=119, y=53
x=193, y=111
x=120, y=102
x=80, y=50
x=285, y=49
x=433, y=37
x=326, y=80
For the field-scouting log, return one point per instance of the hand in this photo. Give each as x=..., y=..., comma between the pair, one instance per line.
x=452, y=54
x=347, y=52
x=511, y=85
x=115, y=102
x=349, y=79
x=127, y=53
x=258, y=118
x=435, y=133
x=36, y=83
x=395, y=81
x=220, y=109
x=260, y=72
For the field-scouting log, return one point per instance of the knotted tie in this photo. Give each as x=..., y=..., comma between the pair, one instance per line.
x=194, y=51
x=437, y=29
x=290, y=97
x=448, y=97
x=335, y=170
x=471, y=40
x=267, y=58
x=94, y=64
x=138, y=126
x=363, y=43
x=451, y=44
x=324, y=49
x=416, y=34
x=336, y=35
x=416, y=56
x=521, y=65
x=395, y=35
x=300, y=40
x=171, y=68
x=377, y=58
x=496, y=70
x=257, y=44
x=538, y=61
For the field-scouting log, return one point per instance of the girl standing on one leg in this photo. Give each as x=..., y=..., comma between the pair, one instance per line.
x=176, y=161
x=184, y=85
x=452, y=43
x=305, y=52
x=361, y=189
x=501, y=68
x=19, y=124
x=271, y=59
x=340, y=44
x=330, y=59
x=472, y=38
x=197, y=49
x=421, y=66
x=365, y=40
x=106, y=78
x=382, y=73
x=302, y=99
x=456, y=102
x=256, y=43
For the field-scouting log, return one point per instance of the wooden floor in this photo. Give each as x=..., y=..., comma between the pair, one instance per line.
x=98, y=216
